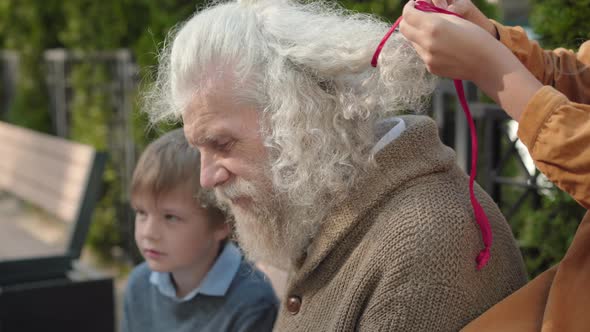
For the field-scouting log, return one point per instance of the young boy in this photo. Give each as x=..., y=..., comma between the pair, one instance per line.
x=193, y=278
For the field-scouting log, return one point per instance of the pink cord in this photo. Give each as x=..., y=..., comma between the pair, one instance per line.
x=480, y=215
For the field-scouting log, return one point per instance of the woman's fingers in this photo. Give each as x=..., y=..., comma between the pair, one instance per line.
x=440, y=3
x=417, y=38
x=413, y=16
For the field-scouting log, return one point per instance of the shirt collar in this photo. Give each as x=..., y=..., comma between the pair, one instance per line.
x=216, y=281
x=389, y=129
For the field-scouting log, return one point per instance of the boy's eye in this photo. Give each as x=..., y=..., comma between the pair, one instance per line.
x=171, y=218
x=140, y=213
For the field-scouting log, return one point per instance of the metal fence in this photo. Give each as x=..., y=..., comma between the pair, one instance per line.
x=9, y=64
x=120, y=86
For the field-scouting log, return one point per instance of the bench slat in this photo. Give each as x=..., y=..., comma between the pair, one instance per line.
x=55, y=204
x=48, y=171
x=36, y=141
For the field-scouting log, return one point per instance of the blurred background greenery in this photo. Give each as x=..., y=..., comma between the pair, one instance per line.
x=29, y=27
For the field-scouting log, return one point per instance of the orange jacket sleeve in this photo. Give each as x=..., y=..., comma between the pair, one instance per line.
x=555, y=125
x=565, y=70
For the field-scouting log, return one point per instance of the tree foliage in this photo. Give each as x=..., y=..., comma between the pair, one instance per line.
x=546, y=231
x=561, y=23
x=31, y=26
x=390, y=10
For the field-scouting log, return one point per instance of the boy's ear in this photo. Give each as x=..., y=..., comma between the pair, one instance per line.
x=223, y=231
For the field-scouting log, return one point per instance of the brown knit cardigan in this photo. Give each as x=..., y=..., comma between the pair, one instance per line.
x=399, y=253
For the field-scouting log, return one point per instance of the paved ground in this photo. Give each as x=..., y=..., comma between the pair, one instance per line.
x=24, y=233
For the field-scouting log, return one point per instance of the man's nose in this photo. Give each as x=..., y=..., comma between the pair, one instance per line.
x=212, y=173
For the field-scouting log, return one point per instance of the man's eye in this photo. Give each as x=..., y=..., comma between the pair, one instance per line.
x=224, y=146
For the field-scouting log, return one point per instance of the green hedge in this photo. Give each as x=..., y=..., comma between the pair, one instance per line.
x=31, y=26
x=392, y=9
x=561, y=23
x=546, y=231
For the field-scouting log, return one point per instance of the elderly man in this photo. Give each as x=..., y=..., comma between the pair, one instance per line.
x=302, y=140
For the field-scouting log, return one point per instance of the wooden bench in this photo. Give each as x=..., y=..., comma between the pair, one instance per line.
x=59, y=176
x=63, y=179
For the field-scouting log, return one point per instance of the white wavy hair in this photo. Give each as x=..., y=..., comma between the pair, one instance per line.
x=306, y=66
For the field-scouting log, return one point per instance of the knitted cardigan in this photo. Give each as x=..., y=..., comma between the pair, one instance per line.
x=398, y=254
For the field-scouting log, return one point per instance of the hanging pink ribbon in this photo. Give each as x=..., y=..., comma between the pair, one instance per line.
x=480, y=215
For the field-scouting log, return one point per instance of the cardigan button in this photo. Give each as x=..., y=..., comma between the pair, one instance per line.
x=293, y=304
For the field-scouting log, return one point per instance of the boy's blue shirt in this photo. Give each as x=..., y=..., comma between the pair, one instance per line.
x=216, y=281
x=234, y=296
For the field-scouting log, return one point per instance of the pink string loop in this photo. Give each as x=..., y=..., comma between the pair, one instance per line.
x=480, y=216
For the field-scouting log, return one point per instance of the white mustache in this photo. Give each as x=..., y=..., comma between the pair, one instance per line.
x=236, y=189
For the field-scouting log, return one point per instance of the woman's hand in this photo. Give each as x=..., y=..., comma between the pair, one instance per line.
x=456, y=48
x=469, y=11
x=450, y=46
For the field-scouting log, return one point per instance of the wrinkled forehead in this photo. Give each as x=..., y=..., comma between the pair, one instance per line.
x=198, y=83
x=207, y=110
x=217, y=81
x=219, y=112
x=214, y=94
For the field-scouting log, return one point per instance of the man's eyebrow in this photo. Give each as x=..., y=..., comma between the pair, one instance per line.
x=195, y=137
x=204, y=139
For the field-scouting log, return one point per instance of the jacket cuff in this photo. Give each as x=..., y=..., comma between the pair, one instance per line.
x=541, y=106
x=508, y=35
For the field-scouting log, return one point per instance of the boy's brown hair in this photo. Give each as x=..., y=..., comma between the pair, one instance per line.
x=169, y=162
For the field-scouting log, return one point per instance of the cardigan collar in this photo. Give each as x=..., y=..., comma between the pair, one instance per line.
x=418, y=151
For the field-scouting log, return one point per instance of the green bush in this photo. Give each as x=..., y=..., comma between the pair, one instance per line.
x=561, y=23
x=390, y=10
x=546, y=231
x=31, y=26
x=141, y=26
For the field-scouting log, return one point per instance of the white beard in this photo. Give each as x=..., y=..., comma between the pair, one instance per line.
x=269, y=229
